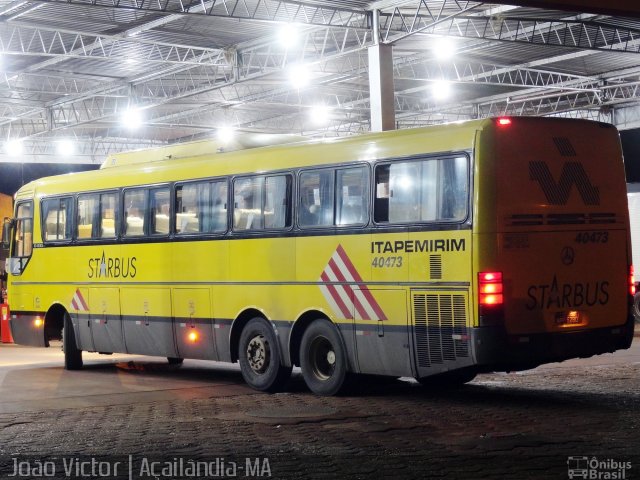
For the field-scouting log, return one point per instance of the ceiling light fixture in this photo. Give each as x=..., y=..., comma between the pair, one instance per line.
x=14, y=147
x=443, y=48
x=132, y=118
x=288, y=35
x=441, y=90
x=299, y=76
x=319, y=114
x=225, y=135
x=65, y=147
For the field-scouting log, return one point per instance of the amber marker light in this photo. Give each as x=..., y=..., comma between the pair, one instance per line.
x=193, y=336
x=632, y=281
x=38, y=322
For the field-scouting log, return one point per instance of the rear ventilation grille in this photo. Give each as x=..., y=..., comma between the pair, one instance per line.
x=435, y=267
x=440, y=328
x=564, y=146
x=562, y=219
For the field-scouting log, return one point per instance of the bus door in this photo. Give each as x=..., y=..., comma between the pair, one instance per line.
x=381, y=332
x=192, y=323
x=441, y=339
x=105, y=320
x=147, y=325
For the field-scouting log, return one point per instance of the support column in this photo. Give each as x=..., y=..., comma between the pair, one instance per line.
x=381, y=98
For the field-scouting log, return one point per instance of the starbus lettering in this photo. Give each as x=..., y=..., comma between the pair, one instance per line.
x=417, y=246
x=112, y=267
x=567, y=295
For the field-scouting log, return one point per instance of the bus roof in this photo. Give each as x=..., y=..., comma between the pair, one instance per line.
x=205, y=159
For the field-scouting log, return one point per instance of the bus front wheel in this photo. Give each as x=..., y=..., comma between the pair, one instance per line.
x=323, y=359
x=259, y=356
x=72, y=354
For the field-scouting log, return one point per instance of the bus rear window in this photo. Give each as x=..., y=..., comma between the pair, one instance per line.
x=433, y=190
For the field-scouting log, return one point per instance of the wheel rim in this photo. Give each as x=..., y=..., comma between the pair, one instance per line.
x=322, y=357
x=258, y=354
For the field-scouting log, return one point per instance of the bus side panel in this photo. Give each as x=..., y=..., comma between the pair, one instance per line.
x=106, y=322
x=148, y=325
x=193, y=325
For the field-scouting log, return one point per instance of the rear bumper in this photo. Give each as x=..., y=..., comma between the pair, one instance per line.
x=495, y=350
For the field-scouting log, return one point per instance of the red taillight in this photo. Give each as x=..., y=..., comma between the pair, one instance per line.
x=632, y=281
x=503, y=121
x=490, y=290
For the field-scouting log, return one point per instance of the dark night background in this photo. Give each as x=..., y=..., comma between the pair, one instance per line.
x=14, y=175
x=631, y=150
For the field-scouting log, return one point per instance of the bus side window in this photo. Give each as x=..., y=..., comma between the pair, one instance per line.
x=315, y=207
x=351, y=196
x=135, y=207
x=277, y=202
x=108, y=215
x=247, y=203
x=86, y=212
x=432, y=190
x=160, y=205
x=381, y=205
x=23, y=241
x=56, y=213
x=218, y=215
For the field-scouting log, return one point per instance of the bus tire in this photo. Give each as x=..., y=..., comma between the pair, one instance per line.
x=323, y=358
x=259, y=357
x=72, y=354
x=175, y=360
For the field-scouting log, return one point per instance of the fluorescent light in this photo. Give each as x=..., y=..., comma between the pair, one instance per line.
x=131, y=118
x=225, y=135
x=299, y=75
x=65, y=147
x=288, y=35
x=443, y=48
x=14, y=147
x=441, y=89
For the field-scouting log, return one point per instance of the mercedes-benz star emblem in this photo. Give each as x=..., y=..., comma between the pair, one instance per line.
x=567, y=255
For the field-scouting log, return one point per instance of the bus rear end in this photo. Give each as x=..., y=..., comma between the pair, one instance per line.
x=552, y=262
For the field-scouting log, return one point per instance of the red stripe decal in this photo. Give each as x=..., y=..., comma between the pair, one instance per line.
x=335, y=295
x=336, y=271
x=367, y=294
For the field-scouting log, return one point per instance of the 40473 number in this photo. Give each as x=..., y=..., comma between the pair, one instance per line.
x=387, y=262
x=592, y=237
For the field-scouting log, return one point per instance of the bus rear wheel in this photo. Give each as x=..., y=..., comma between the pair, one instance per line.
x=323, y=358
x=72, y=354
x=259, y=356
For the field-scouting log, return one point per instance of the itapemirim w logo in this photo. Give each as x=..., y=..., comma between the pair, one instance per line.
x=594, y=468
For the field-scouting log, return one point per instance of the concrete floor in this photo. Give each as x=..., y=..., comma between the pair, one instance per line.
x=127, y=409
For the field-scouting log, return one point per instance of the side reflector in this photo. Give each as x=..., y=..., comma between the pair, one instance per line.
x=490, y=288
x=503, y=121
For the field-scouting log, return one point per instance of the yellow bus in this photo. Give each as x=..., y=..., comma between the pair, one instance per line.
x=434, y=253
